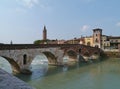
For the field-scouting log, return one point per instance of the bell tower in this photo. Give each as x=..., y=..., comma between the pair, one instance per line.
x=44, y=33
x=97, y=38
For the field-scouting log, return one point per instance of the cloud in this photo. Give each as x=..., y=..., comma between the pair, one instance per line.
x=28, y=3
x=85, y=28
x=118, y=24
x=20, y=10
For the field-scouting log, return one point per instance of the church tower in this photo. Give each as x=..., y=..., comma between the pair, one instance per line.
x=44, y=33
x=97, y=38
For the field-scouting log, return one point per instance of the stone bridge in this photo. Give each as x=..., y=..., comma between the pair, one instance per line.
x=20, y=56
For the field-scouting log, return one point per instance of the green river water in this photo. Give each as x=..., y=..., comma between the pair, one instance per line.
x=101, y=75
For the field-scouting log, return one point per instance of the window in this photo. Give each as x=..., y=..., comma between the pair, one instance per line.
x=111, y=40
x=116, y=40
x=96, y=46
x=104, y=44
x=24, y=59
x=96, y=40
x=96, y=34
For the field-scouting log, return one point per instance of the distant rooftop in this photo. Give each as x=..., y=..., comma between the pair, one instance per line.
x=114, y=37
x=97, y=29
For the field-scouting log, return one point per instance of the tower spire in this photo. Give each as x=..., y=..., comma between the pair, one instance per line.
x=44, y=33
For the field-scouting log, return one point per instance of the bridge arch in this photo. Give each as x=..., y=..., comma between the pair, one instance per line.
x=95, y=53
x=51, y=57
x=15, y=67
x=87, y=54
x=72, y=55
x=48, y=56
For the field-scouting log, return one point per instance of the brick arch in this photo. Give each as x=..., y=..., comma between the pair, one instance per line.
x=51, y=57
x=95, y=53
x=85, y=52
x=75, y=49
x=72, y=54
x=15, y=67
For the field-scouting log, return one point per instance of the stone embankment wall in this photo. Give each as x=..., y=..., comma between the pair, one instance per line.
x=8, y=81
x=113, y=54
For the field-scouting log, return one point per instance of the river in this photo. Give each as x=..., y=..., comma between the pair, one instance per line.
x=101, y=75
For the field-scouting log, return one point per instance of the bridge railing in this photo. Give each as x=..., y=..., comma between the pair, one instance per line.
x=28, y=46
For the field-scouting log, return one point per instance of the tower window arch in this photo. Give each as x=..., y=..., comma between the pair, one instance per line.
x=96, y=40
x=96, y=34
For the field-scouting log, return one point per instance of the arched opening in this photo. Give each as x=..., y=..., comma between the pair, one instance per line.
x=39, y=65
x=51, y=58
x=96, y=46
x=86, y=54
x=71, y=55
x=9, y=65
x=80, y=50
x=88, y=44
x=24, y=59
x=95, y=53
x=96, y=40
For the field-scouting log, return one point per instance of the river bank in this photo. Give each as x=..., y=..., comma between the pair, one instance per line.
x=112, y=54
x=8, y=81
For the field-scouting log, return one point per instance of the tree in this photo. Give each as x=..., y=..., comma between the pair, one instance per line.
x=37, y=41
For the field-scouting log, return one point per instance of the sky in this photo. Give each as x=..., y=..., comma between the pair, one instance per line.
x=22, y=21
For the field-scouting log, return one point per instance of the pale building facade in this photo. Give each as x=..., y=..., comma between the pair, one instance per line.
x=88, y=41
x=105, y=42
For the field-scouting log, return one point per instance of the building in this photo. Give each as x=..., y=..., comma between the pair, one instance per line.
x=73, y=41
x=82, y=40
x=105, y=42
x=119, y=47
x=114, y=42
x=44, y=33
x=61, y=42
x=97, y=38
x=88, y=41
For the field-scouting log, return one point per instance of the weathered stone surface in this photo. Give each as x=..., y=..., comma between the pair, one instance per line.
x=8, y=81
x=21, y=56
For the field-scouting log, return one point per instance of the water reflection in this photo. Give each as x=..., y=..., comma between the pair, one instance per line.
x=39, y=67
x=65, y=59
x=5, y=65
x=65, y=68
x=101, y=75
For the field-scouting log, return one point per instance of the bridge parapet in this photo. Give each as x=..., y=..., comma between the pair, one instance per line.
x=30, y=46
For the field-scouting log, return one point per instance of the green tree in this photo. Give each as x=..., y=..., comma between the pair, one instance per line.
x=37, y=41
